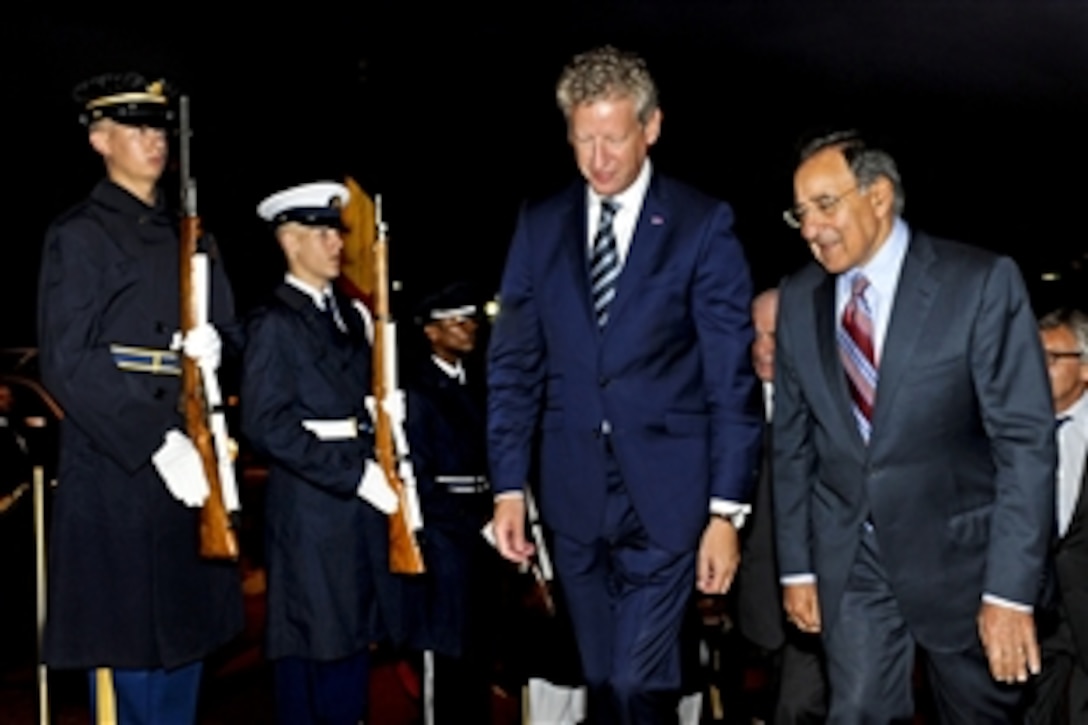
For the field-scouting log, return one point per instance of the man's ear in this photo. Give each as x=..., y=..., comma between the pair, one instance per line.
x=881, y=196
x=652, y=128
x=431, y=331
x=288, y=240
x=99, y=136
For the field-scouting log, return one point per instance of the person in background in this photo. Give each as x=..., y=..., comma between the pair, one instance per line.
x=1059, y=694
x=445, y=424
x=798, y=683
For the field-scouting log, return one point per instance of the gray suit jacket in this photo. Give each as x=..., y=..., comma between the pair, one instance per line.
x=958, y=474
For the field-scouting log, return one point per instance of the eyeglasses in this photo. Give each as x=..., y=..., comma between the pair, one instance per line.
x=1053, y=356
x=825, y=204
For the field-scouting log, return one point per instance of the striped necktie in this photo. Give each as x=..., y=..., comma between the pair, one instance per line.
x=604, y=263
x=858, y=356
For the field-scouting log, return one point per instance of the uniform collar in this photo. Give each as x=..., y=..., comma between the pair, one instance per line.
x=110, y=195
x=455, y=371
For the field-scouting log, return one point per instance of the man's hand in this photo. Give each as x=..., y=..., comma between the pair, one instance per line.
x=802, y=606
x=719, y=557
x=509, y=529
x=1008, y=636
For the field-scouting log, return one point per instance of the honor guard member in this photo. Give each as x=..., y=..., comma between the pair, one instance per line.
x=129, y=596
x=447, y=438
x=306, y=378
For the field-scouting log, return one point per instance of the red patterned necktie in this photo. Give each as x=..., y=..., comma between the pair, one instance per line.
x=857, y=354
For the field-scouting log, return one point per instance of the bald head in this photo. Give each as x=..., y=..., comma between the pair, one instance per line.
x=764, y=312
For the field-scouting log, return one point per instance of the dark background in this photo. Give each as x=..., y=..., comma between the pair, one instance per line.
x=448, y=112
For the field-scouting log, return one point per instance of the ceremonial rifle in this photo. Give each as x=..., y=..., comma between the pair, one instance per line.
x=390, y=442
x=205, y=422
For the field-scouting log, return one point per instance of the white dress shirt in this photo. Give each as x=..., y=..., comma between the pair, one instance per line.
x=1072, y=449
x=882, y=271
x=628, y=207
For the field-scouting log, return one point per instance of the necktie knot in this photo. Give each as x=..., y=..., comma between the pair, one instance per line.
x=608, y=210
x=858, y=285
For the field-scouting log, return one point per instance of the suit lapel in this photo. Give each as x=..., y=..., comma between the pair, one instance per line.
x=823, y=303
x=650, y=231
x=913, y=300
x=573, y=236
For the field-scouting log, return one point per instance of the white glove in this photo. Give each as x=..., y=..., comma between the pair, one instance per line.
x=375, y=489
x=202, y=343
x=179, y=464
x=394, y=406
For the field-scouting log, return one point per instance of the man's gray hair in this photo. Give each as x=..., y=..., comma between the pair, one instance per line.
x=867, y=164
x=1073, y=319
x=606, y=73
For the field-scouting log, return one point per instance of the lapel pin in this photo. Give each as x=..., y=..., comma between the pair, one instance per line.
x=657, y=220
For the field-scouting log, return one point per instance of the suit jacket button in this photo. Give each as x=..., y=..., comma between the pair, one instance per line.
x=603, y=382
x=159, y=393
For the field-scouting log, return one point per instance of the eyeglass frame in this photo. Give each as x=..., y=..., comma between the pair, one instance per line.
x=1054, y=356
x=825, y=204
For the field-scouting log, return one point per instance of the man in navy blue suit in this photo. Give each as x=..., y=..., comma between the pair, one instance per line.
x=621, y=350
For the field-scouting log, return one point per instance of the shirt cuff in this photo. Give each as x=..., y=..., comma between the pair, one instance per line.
x=731, y=510
x=509, y=494
x=797, y=579
x=1000, y=602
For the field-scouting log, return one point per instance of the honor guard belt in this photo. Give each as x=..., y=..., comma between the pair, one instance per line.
x=145, y=360
x=464, y=484
x=335, y=429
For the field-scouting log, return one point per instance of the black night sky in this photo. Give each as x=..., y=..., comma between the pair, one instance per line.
x=449, y=114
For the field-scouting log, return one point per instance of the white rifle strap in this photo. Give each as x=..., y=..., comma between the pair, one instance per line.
x=213, y=397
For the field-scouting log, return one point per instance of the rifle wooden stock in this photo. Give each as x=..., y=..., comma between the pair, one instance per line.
x=217, y=537
x=405, y=555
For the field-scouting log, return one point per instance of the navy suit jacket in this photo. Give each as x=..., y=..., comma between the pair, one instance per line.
x=958, y=474
x=670, y=372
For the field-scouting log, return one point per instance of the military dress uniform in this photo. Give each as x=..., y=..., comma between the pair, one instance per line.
x=127, y=588
x=330, y=593
x=445, y=424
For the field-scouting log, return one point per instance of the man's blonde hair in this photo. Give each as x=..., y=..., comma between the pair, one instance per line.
x=606, y=73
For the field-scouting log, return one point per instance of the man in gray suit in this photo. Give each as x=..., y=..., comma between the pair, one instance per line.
x=913, y=451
